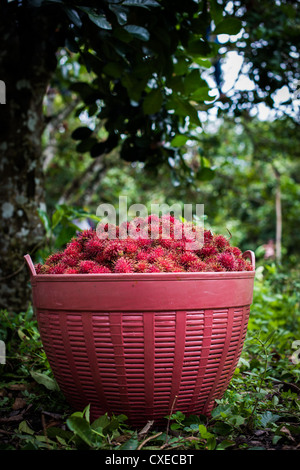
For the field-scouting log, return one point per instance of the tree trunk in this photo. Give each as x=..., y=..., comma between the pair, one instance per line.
x=278, y=217
x=27, y=61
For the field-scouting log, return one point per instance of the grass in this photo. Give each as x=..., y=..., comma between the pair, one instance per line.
x=259, y=411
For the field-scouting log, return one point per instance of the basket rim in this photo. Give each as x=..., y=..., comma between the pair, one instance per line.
x=161, y=276
x=165, y=276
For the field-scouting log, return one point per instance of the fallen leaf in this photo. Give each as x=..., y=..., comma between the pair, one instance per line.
x=17, y=387
x=18, y=404
x=287, y=432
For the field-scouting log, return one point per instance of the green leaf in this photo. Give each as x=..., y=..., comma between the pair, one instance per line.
x=141, y=3
x=211, y=443
x=81, y=428
x=193, y=81
x=202, y=94
x=225, y=444
x=66, y=233
x=86, y=413
x=181, y=66
x=100, y=21
x=179, y=140
x=34, y=3
x=199, y=47
x=86, y=145
x=56, y=217
x=81, y=133
x=73, y=16
x=205, y=63
x=113, y=69
x=153, y=101
x=237, y=420
x=268, y=417
x=205, y=174
x=45, y=380
x=203, y=432
x=216, y=11
x=131, y=444
x=184, y=108
x=100, y=423
x=23, y=427
x=45, y=220
x=228, y=26
x=120, y=12
x=138, y=32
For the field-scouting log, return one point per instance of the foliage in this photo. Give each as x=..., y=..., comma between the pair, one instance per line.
x=241, y=159
x=144, y=63
x=269, y=44
x=260, y=409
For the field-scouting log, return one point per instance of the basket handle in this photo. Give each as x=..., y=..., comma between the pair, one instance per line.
x=251, y=256
x=30, y=265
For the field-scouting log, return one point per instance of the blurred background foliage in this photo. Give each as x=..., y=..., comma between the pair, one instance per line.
x=238, y=164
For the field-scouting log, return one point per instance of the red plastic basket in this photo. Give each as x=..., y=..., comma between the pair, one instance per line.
x=139, y=344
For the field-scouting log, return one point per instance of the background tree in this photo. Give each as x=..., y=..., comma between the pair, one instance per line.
x=135, y=52
x=135, y=72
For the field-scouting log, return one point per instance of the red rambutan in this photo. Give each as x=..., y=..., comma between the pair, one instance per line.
x=226, y=260
x=92, y=247
x=113, y=249
x=86, y=266
x=234, y=250
x=73, y=248
x=188, y=258
x=123, y=265
x=38, y=268
x=169, y=252
x=208, y=251
x=54, y=258
x=220, y=242
x=197, y=266
x=141, y=266
x=71, y=271
x=57, y=269
x=100, y=269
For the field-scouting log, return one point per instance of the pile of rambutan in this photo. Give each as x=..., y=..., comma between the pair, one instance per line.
x=147, y=248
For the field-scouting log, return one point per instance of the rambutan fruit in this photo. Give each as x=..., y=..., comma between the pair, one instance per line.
x=38, y=268
x=207, y=251
x=141, y=266
x=57, y=269
x=208, y=236
x=169, y=251
x=214, y=266
x=153, y=269
x=100, y=269
x=73, y=248
x=142, y=255
x=234, y=250
x=220, y=242
x=197, y=266
x=70, y=261
x=92, y=247
x=113, y=249
x=86, y=266
x=226, y=260
x=165, y=264
x=54, y=258
x=71, y=271
x=123, y=265
x=156, y=252
x=188, y=258
x=130, y=247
